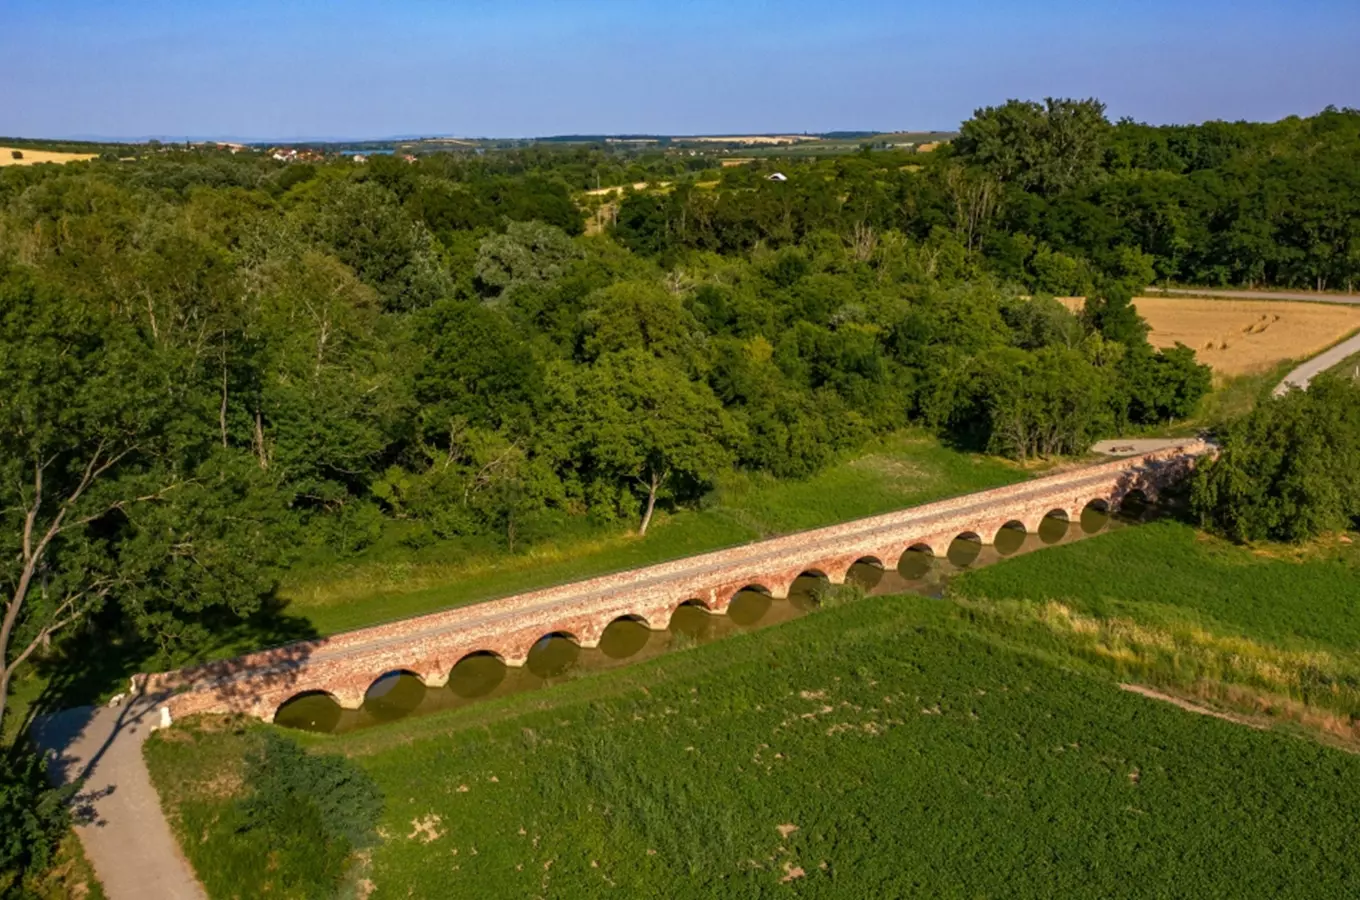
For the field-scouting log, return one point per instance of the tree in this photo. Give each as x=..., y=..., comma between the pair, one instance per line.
x=1047, y=148
x=528, y=253
x=1286, y=470
x=631, y=418
x=16, y=154
x=110, y=490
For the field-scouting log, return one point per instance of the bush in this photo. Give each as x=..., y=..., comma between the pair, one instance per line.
x=16, y=154
x=33, y=818
x=1287, y=470
x=314, y=810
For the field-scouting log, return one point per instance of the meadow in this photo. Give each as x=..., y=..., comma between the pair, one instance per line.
x=890, y=747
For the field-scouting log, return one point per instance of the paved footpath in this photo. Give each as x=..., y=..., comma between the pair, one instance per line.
x=125, y=834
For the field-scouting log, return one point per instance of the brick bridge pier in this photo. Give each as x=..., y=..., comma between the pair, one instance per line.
x=345, y=665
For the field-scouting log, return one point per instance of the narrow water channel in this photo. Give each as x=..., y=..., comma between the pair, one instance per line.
x=556, y=658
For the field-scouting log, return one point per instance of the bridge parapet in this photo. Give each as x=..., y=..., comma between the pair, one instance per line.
x=346, y=664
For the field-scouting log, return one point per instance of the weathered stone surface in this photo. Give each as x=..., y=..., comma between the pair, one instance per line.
x=345, y=665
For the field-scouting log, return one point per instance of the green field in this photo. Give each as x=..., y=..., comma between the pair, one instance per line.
x=902, y=470
x=920, y=747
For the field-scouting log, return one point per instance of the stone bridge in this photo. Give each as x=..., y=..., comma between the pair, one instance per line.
x=345, y=665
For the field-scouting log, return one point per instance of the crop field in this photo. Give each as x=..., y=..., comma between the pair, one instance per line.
x=33, y=157
x=1240, y=337
x=884, y=748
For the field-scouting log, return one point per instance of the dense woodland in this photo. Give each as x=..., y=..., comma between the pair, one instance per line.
x=216, y=364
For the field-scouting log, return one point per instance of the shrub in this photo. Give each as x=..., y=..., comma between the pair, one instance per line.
x=33, y=818
x=314, y=809
x=16, y=154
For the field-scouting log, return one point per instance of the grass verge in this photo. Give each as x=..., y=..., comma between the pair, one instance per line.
x=886, y=747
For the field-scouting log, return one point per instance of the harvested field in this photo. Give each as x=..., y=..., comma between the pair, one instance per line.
x=1242, y=337
x=33, y=157
x=752, y=139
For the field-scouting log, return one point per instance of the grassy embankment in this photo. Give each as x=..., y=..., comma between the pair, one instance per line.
x=900, y=471
x=979, y=747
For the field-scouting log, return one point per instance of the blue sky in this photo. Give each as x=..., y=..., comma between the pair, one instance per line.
x=304, y=68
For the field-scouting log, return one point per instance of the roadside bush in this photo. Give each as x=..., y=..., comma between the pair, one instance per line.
x=312, y=810
x=1287, y=469
x=33, y=818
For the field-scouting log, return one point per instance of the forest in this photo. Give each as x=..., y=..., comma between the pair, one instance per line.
x=217, y=365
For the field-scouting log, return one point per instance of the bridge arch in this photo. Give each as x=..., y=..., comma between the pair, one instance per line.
x=1010, y=537
x=553, y=653
x=750, y=604
x=477, y=674
x=1095, y=515
x=394, y=693
x=624, y=636
x=312, y=710
x=965, y=548
x=692, y=618
x=865, y=572
x=1054, y=525
x=916, y=560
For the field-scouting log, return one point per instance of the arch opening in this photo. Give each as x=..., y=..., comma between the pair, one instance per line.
x=749, y=605
x=1134, y=505
x=916, y=562
x=1010, y=537
x=624, y=637
x=1095, y=515
x=807, y=588
x=310, y=711
x=553, y=654
x=865, y=573
x=477, y=674
x=1053, y=526
x=691, y=620
x=965, y=549
x=394, y=694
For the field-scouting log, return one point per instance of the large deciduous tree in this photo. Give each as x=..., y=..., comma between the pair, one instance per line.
x=633, y=419
x=109, y=488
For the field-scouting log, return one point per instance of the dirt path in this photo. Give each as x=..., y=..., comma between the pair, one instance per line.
x=122, y=826
x=1195, y=708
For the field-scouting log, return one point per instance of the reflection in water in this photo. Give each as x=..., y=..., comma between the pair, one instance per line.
x=692, y=621
x=628, y=641
x=964, y=550
x=476, y=675
x=865, y=575
x=748, y=607
x=623, y=638
x=310, y=712
x=394, y=695
x=916, y=563
x=552, y=655
x=1052, y=528
x=1010, y=538
x=1093, y=519
x=805, y=590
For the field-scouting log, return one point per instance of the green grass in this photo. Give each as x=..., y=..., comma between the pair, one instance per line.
x=917, y=752
x=1167, y=573
x=900, y=471
x=1271, y=631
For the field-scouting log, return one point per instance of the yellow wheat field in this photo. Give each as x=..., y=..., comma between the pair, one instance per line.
x=1240, y=337
x=33, y=157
